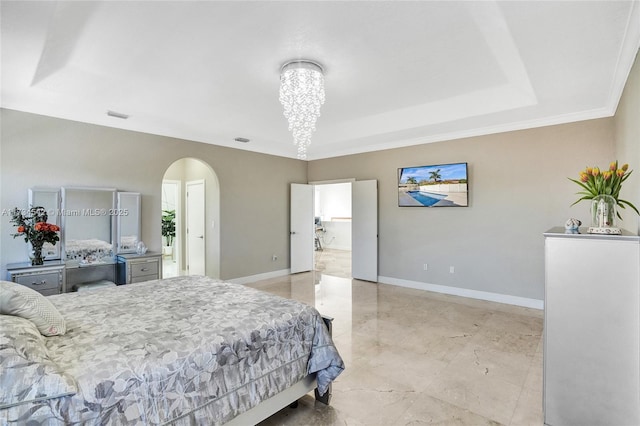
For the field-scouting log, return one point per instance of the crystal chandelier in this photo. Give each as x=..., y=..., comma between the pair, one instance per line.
x=302, y=94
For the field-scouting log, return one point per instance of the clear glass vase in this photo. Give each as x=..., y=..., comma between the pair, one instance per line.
x=603, y=215
x=36, y=254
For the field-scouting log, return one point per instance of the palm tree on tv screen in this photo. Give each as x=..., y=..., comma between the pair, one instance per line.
x=435, y=176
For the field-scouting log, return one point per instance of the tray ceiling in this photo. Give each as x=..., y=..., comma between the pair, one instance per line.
x=397, y=73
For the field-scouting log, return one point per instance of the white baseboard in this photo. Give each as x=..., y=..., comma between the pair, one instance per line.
x=465, y=292
x=259, y=277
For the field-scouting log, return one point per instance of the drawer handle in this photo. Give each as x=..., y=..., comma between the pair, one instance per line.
x=43, y=282
x=144, y=270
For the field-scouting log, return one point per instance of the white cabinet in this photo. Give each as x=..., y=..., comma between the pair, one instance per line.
x=592, y=329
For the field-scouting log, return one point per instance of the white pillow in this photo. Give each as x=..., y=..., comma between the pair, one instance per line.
x=21, y=301
x=29, y=375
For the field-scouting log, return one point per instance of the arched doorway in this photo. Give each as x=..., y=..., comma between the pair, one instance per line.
x=191, y=194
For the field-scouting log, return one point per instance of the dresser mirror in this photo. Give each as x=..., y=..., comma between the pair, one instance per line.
x=128, y=216
x=49, y=198
x=88, y=224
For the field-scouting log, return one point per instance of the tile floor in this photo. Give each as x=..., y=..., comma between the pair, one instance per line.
x=333, y=262
x=169, y=267
x=414, y=357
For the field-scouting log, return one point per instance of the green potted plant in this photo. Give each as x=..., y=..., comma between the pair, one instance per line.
x=168, y=230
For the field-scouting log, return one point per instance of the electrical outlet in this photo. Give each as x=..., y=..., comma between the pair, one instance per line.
x=274, y=258
x=451, y=269
x=425, y=267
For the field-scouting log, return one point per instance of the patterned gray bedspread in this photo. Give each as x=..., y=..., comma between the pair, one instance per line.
x=186, y=350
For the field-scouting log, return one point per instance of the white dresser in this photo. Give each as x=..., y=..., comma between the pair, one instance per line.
x=592, y=329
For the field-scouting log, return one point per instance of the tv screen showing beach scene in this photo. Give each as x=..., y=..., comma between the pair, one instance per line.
x=442, y=185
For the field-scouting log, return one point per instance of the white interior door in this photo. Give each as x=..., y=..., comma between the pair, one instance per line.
x=364, y=230
x=195, y=227
x=302, y=228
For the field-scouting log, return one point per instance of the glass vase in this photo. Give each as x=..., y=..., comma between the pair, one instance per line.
x=603, y=215
x=36, y=254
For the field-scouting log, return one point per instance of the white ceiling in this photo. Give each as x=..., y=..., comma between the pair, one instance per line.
x=397, y=73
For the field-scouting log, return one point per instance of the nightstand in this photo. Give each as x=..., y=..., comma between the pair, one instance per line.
x=136, y=268
x=46, y=279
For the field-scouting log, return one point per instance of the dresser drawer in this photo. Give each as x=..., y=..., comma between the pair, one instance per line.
x=140, y=269
x=143, y=278
x=41, y=282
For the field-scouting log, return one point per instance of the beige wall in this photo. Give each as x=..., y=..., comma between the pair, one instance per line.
x=254, y=188
x=518, y=189
x=627, y=134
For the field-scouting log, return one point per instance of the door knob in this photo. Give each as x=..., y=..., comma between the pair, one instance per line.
x=200, y=236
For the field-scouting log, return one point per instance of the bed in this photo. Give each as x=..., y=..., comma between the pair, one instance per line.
x=179, y=351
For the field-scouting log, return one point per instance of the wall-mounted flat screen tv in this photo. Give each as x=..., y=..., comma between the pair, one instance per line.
x=441, y=185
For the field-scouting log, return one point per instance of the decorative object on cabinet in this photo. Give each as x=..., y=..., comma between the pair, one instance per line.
x=46, y=279
x=603, y=215
x=572, y=225
x=135, y=268
x=591, y=329
x=128, y=215
x=603, y=189
x=49, y=198
x=33, y=226
x=444, y=185
x=141, y=248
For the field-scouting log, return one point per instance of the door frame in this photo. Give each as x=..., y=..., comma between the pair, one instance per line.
x=178, y=238
x=337, y=182
x=352, y=181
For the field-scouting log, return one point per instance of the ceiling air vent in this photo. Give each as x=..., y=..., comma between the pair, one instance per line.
x=117, y=115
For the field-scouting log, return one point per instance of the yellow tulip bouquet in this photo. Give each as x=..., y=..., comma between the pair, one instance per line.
x=595, y=182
